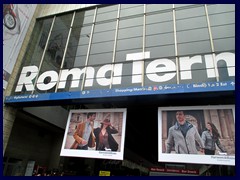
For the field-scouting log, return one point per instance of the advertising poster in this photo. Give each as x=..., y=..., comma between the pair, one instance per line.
x=16, y=20
x=197, y=134
x=95, y=133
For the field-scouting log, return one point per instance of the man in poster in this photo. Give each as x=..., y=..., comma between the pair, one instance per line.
x=183, y=136
x=84, y=136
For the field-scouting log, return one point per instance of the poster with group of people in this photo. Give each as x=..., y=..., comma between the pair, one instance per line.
x=197, y=134
x=95, y=133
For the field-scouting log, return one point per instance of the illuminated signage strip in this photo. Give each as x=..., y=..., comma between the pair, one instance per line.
x=131, y=91
x=178, y=171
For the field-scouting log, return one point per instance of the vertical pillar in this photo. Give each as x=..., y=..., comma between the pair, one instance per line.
x=223, y=127
x=215, y=120
x=164, y=125
x=9, y=113
x=207, y=117
x=164, y=130
x=230, y=123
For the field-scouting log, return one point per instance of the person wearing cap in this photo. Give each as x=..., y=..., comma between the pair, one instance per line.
x=84, y=135
x=104, y=139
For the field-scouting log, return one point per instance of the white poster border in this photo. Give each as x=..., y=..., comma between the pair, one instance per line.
x=92, y=153
x=191, y=158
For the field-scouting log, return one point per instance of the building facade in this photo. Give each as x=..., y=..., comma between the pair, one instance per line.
x=134, y=56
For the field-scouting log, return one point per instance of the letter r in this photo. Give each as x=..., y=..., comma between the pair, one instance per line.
x=26, y=79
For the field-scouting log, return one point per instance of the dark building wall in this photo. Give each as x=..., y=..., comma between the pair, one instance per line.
x=29, y=141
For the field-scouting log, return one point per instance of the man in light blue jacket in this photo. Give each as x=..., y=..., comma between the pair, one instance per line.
x=183, y=136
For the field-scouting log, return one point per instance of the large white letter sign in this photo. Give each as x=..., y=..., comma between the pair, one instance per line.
x=153, y=68
x=41, y=85
x=27, y=75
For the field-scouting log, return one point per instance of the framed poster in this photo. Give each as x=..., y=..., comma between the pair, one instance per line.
x=197, y=134
x=95, y=133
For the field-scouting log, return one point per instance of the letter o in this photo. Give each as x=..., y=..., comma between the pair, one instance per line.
x=54, y=78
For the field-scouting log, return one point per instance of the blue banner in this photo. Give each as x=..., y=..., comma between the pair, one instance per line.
x=130, y=91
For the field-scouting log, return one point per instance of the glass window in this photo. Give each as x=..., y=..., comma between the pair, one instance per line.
x=221, y=19
x=190, y=12
x=77, y=46
x=133, y=22
x=130, y=32
x=107, y=13
x=160, y=39
x=158, y=7
x=69, y=62
x=106, y=26
x=36, y=47
x=81, y=50
x=103, y=36
x=121, y=55
x=192, y=31
x=182, y=5
x=220, y=8
x=192, y=35
x=102, y=47
x=54, y=53
x=89, y=12
x=131, y=11
x=86, y=30
x=130, y=40
x=83, y=17
x=194, y=48
x=103, y=58
x=74, y=38
x=159, y=18
x=63, y=22
x=79, y=61
x=107, y=9
x=38, y=42
x=159, y=28
x=226, y=44
x=87, y=20
x=191, y=23
x=84, y=40
x=127, y=6
x=223, y=31
x=129, y=43
x=106, y=16
x=101, y=51
x=105, y=52
x=161, y=51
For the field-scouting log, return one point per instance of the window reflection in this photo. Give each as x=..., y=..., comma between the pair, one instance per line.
x=192, y=35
